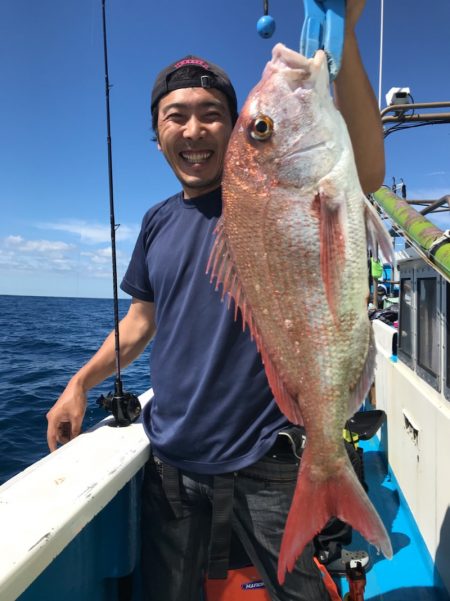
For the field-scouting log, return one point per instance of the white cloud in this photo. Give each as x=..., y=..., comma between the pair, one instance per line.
x=35, y=258
x=19, y=254
x=40, y=246
x=435, y=173
x=13, y=239
x=99, y=263
x=77, y=254
x=92, y=233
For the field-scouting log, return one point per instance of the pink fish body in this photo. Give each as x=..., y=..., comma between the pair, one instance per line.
x=291, y=251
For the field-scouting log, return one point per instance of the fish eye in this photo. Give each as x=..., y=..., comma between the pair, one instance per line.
x=261, y=128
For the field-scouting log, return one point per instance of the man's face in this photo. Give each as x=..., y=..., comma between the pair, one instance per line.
x=194, y=126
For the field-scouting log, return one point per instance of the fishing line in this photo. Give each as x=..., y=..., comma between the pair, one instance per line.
x=124, y=406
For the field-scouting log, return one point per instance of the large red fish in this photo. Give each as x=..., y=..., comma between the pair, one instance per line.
x=291, y=252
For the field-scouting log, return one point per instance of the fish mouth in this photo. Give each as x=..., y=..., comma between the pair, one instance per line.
x=294, y=60
x=290, y=58
x=196, y=156
x=298, y=70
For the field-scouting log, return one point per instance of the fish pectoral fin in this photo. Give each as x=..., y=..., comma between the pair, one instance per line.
x=376, y=232
x=331, y=211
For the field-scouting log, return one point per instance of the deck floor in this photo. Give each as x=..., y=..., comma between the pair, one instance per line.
x=410, y=575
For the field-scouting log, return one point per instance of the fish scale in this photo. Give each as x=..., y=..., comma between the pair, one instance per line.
x=290, y=250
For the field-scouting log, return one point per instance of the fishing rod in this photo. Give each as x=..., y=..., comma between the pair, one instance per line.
x=123, y=405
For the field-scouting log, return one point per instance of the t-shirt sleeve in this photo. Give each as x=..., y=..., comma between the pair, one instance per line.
x=136, y=281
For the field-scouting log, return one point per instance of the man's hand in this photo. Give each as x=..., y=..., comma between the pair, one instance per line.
x=66, y=416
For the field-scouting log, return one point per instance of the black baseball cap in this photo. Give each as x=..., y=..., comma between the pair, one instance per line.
x=208, y=75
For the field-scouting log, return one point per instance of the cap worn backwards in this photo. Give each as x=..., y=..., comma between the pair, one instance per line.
x=206, y=75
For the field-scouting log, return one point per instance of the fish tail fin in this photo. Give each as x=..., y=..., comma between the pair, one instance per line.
x=315, y=502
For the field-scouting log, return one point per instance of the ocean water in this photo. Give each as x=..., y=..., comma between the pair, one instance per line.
x=43, y=342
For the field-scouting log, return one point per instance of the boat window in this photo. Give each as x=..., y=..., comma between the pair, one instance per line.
x=428, y=326
x=406, y=308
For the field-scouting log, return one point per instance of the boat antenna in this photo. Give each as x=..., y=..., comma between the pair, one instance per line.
x=380, y=66
x=124, y=406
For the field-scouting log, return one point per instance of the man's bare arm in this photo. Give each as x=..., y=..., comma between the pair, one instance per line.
x=357, y=103
x=135, y=330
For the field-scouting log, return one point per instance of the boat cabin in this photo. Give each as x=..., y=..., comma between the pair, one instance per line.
x=424, y=329
x=413, y=387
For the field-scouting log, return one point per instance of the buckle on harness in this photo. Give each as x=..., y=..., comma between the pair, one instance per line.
x=296, y=437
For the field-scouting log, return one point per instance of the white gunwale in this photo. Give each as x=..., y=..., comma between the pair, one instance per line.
x=43, y=508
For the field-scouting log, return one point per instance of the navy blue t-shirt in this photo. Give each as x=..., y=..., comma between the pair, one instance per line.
x=213, y=411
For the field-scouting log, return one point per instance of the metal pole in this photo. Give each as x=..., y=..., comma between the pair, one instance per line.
x=380, y=74
x=400, y=108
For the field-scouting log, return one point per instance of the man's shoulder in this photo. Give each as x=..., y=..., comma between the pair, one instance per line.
x=161, y=208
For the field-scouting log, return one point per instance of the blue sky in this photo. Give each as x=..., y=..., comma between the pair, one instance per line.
x=54, y=228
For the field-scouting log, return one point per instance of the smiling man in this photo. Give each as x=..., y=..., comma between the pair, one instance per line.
x=214, y=427
x=194, y=127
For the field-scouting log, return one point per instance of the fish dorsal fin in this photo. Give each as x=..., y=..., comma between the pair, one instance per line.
x=376, y=232
x=221, y=267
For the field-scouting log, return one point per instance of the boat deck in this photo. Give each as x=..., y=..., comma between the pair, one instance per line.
x=410, y=575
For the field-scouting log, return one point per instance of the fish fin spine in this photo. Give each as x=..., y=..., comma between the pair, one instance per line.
x=340, y=496
x=221, y=265
x=376, y=232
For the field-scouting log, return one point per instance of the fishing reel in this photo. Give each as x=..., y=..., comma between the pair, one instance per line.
x=124, y=406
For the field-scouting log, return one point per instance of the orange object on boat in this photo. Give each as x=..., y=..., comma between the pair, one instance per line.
x=245, y=584
x=242, y=584
x=330, y=584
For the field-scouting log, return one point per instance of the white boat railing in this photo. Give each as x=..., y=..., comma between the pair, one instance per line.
x=43, y=508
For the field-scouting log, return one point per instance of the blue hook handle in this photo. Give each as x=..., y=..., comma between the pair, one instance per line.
x=324, y=28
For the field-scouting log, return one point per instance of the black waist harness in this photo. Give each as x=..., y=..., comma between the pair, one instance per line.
x=288, y=446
